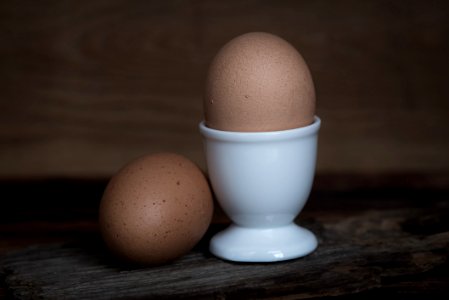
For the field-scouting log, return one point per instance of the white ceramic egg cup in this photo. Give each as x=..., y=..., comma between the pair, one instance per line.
x=262, y=181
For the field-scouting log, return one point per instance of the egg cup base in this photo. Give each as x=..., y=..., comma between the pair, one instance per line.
x=243, y=244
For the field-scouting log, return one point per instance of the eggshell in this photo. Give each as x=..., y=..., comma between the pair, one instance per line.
x=258, y=82
x=155, y=209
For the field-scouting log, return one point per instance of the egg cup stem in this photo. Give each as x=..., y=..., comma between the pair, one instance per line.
x=262, y=180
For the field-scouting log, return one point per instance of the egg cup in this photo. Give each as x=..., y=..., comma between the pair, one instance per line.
x=262, y=180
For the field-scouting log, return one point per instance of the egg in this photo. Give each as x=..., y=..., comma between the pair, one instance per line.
x=155, y=209
x=258, y=82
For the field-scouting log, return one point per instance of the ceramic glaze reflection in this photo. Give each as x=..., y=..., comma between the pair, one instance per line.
x=262, y=181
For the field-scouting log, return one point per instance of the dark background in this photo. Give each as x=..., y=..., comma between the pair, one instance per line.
x=86, y=86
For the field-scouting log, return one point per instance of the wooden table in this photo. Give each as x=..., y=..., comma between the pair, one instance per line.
x=86, y=86
x=378, y=235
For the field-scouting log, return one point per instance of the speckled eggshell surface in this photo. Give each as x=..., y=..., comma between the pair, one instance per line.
x=258, y=82
x=155, y=209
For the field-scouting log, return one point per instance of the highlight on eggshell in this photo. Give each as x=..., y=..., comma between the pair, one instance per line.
x=155, y=209
x=258, y=82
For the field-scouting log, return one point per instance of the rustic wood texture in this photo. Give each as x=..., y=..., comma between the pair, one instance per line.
x=374, y=252
x=85, y=86
x=379, y=236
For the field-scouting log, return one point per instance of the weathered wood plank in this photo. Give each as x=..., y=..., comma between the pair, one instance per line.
x=87, y=86
x=401, y=251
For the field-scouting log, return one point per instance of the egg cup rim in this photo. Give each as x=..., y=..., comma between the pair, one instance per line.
x=253, y=136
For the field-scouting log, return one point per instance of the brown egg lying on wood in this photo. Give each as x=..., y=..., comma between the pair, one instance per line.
x=155, y=209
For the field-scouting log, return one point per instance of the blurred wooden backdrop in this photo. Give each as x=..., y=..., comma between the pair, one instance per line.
x=85, y=86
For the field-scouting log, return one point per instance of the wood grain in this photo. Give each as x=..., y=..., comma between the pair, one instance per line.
x=369, y=253
x=379, y=236
x=87, y=86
